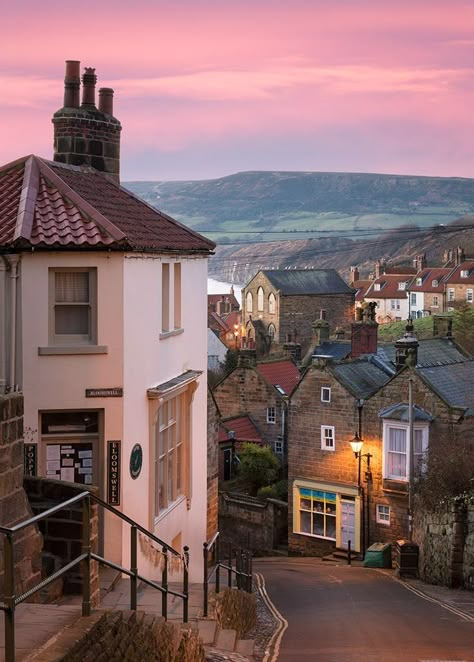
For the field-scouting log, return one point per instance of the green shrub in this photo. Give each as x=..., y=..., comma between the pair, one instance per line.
x=278, y=490
x=258, y=466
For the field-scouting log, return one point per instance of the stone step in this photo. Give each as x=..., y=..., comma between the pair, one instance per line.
x=226, y=639
x=245, y=647
x=207, y=630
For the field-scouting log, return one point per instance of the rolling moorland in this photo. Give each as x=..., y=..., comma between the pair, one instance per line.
x=312, y=219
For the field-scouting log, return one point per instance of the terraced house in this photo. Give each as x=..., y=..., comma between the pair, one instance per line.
x=103, y=328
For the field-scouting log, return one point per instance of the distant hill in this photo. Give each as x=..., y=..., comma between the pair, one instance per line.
x=317, y=218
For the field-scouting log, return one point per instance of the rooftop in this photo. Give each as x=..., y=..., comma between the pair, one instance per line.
x=453, y=382
x=361, y=377
x=283, y=374
x=431, y=352
x=307, y=281
x=243, y=427
x=389, y=287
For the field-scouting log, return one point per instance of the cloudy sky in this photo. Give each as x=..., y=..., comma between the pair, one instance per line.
x=205, y=88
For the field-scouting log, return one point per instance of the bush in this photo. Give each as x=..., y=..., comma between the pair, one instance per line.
x=258, y=466
x=278, y=490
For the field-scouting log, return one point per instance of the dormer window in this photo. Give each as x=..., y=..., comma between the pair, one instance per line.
x=377, y=287
x=464, y=273
x=434, y=283
x=402, y=286
x=419, y=282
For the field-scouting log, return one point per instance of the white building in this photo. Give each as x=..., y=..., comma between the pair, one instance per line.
x=103, y=327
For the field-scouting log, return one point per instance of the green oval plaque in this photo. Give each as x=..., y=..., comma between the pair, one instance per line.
x=136, y=461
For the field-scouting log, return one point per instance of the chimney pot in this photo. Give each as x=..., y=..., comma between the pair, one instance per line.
x=106, y=100
x=72, y=83
x=89, y=80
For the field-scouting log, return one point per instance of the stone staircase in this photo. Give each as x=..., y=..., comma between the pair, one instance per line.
x=214, y=636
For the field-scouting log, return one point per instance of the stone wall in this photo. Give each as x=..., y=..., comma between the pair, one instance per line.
x=62, y=532
x=256, y=525
x=123, y=636
x=446, y=543
x=212, y=466
x=14, y=506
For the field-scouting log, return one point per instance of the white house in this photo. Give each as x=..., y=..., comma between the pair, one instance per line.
x=103, y=327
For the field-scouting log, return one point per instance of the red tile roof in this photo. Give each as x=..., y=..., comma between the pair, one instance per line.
x=280, y=373
x=361, y=287
x=455, y=277
x=400, y=271
x=244, y=430
x=213, y=299
x=49, y=204
x=428, y=275
x=388, y=287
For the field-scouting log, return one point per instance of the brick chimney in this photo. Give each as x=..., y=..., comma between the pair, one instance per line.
x=379, y=268
x=247, y=358
x=407, y=348
x=354, y=275
x=85, y=134
x=460, y=255
x=419, y=261
x=364, y=331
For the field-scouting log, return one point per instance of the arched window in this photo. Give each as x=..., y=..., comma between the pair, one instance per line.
x=249, y=302
x=271, y=331
x=260, y=299
x=271, y=303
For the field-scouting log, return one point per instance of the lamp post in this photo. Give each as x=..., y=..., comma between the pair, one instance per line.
x=236, y=334
x=356, y=445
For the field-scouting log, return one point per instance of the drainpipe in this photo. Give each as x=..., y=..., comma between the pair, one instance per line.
x=3, y=331
x=13, y=261
x=411, y=458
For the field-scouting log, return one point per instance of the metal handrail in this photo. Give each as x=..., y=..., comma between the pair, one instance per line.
x=242, y=570
x=11, y=600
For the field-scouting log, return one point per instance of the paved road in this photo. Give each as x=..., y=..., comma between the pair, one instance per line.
x=353, y=614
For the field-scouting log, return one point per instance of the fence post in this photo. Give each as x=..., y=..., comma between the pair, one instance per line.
x=205, y=575
x=218, y=565
x=250, y=572
x=186, y=583
x=164, y=584
x=133, y=568
x=9, y=587
x=349, y=559
x=238, y=567
x=86, y=549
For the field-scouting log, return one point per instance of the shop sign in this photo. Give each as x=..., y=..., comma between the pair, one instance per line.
x=113, y=473
x=136, y=461
x=30, y=459
x=116, y=392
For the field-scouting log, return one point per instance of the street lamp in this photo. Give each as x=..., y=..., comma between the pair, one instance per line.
x=356, y=445
x=236, y=334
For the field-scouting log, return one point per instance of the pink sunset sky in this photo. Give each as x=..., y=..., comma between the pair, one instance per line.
x=205, y=88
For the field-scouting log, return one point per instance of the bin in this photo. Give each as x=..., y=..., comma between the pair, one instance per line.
x=406, y=558
x=378, y=555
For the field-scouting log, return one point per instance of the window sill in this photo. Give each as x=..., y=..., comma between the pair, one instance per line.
x=169, y=509
x=169, y=334
x=72, y=349
x=313, y=535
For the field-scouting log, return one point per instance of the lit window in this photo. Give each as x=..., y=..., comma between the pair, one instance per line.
x=271, y=303
x=469, y=295
x=451, y=294
x=327, y=438
x=325, y=394
x=260, y=299
x=316, y=513
x=249, y=302
x=395, y=442
x=73, y=306
x=271, y=415
x=171, y=452
x=383, y=514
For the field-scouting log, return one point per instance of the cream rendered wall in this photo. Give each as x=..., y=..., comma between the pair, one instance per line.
x=59, y=381
x=150, y=361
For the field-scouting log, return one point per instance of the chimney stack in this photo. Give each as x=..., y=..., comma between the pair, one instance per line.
x=379, y=268
x=419, y=261
x=460, y=256
x=407, y=348
x=247, y=358
x=72, y=84
x=354, y=275
x=364, y=332
x=85, y=134
x=320, y=332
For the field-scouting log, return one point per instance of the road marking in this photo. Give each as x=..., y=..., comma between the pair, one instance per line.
x=428, y=598
x=273, y=648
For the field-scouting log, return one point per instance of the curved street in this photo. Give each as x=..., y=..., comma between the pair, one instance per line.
x=354, y=614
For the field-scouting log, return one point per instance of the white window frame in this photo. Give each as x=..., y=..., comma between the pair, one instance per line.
x=398, y=425
x=328, y=511
x=260, y=299
x=419, y=282
x=278, y=446
x=377, y=287
x=451, y=294
x=383, y=514
x=434, y=283
x=402, y=285
x=249, y=302
x=464, y=273
x=413, y=298
x=325, y=390
x=328, y=438
x=71, y=339
x=271, y=415
x=435, y=301
x=469, y=295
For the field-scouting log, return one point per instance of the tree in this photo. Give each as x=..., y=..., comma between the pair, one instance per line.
x=463, y=323
x=231, y=359
x=258, y=466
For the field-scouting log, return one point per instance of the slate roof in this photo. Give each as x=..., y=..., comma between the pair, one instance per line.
x=280, y=373
x=307, y=281
x=431, y=351
x=243, y=427
x=44, y=204
x=401, y=412
x=453, y=382
x=361, y=377
x=336, y=349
